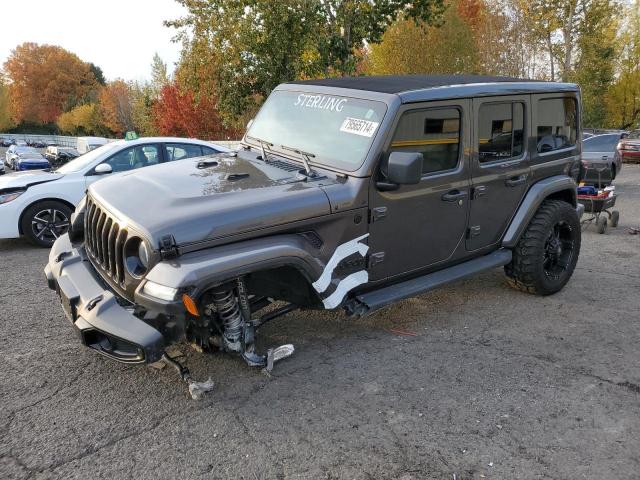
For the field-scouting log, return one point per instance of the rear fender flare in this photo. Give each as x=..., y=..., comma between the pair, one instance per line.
x=559, y=186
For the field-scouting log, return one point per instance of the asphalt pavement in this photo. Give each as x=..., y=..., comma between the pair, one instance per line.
x=471, y=381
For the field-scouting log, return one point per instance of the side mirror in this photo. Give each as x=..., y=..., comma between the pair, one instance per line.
x=102, y=169
x=405, y=168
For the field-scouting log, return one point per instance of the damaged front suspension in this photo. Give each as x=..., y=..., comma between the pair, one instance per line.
x=227, y=324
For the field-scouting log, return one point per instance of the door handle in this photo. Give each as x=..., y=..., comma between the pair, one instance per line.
x=515, y=181
x=454, y=196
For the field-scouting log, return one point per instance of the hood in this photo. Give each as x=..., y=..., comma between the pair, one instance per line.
x=210, y=197
x=27, y=179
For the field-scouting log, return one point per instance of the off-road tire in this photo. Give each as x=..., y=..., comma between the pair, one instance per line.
x=60, y=211
x=527, y=271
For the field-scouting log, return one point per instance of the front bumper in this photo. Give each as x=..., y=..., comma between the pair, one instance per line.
x=100, y=321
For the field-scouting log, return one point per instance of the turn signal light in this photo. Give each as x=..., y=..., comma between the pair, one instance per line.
x=190, y=305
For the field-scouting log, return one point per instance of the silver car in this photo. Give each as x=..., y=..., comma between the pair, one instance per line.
x=600, y=158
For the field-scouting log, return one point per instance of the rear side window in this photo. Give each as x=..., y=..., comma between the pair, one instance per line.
x=601, y=143
x=208, y=151
x=557, y=124
x=180, y=151
x=435, y=133
x=500, y=127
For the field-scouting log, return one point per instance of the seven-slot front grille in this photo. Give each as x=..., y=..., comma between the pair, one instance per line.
x=104, y=241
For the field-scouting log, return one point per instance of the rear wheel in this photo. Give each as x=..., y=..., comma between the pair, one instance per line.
x=44, y=222
x=547, y=253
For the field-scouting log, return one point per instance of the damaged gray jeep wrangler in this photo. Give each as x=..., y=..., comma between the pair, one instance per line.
x=348, y=193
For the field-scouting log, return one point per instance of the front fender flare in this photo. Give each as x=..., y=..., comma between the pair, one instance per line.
x=216, y=265
x=532, y=201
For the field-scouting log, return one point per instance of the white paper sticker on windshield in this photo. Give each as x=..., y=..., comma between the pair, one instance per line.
x=357, y=126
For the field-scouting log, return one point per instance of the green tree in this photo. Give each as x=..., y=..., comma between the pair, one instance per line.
x=247, y=47
x=410, y=48
x=159, y=75
x=623, y=97
x=6, y=121
x=98, y=73
x=596, y=52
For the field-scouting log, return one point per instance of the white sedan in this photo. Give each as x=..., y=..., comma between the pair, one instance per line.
x=38, y=204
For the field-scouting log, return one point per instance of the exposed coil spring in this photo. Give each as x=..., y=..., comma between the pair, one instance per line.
x=229, y=313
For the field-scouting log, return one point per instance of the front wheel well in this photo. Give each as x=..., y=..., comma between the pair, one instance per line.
x=284, y=283
x=41, y=200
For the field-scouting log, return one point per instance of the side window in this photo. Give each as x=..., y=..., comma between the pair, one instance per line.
x=134, y=157
x=557, y=123
x=209, y=151
x=180, y=151
x=435, y=133
x=500, y=131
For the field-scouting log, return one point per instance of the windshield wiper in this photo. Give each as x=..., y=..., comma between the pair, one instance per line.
x=305, y=159
x=262, y=144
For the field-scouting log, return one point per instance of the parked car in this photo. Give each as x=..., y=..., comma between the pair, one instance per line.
x=601, y=158
x=38, y=205
x=38, y=143
x=28, y=158
x=24, y=158
x=6, y=142
x=86, y=144
x=349, y=193
x=21, y=143
x=60, y=155
x=629, y=148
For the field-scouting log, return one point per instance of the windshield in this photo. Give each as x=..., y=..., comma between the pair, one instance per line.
x=600, y=143
x=26, y=150
x=337, y=130
x=78, y=164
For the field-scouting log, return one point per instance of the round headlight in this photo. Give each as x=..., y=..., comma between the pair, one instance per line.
x=132, y=259
x=143, y=254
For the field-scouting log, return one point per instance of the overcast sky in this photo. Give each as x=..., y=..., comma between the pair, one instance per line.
x=120, y=36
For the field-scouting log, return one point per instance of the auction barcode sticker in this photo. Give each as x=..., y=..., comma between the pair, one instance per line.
x=359, y=127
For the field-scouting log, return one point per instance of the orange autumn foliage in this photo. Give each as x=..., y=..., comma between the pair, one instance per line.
x=178, y=113
x=46, y=80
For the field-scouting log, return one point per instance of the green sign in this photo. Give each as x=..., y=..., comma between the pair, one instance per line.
x=131, y=136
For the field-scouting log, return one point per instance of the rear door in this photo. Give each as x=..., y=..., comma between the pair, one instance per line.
x=500, y=166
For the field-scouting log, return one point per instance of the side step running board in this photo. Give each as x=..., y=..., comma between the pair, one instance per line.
x=367, y=303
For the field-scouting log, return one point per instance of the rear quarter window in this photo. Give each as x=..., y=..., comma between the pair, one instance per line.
x=557, y=124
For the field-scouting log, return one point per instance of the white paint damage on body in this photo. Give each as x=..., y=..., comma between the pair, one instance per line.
x=347, y=284
x=358, y=278
x=342, y=252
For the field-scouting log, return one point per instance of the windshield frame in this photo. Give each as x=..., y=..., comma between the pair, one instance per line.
x=364, y=166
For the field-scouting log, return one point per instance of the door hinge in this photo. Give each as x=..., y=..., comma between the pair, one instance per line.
x=478, y=191
x=473, y=231
x=375, y=259
x=168, y=247
x=377, y=214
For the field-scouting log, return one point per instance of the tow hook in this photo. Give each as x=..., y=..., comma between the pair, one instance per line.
x=196, y=389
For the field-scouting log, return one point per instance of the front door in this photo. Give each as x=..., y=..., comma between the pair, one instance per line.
x=417, y=226
x=500, y=166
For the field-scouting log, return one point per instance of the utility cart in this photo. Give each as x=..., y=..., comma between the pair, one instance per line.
x=600, y=209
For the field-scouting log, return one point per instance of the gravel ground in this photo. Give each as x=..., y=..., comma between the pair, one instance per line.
x=493, y=383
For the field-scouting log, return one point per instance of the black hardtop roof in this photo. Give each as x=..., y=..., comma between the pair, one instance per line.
x=395, y=84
